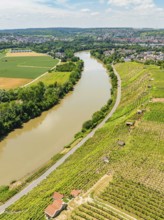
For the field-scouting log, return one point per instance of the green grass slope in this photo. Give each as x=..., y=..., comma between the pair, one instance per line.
x=52, y=77
x=138, y=165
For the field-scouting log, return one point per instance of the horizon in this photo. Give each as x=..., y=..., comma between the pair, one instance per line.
x=135, y=28
x=137, y=14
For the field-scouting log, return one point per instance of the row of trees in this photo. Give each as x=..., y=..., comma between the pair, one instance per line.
x=21, y=105
x=98, y=116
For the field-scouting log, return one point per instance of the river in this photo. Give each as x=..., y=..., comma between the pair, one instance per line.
x=26, y=149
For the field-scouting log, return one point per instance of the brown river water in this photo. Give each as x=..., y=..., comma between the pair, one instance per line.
x=26, y=149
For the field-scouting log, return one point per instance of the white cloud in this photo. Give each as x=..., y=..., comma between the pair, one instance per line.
x=120, y=3
x=85, y=10
x=95, y=13
x=36, y=13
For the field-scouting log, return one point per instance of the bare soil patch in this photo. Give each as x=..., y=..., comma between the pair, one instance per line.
x=24, y=54
x=158, y=100
x=9, y=83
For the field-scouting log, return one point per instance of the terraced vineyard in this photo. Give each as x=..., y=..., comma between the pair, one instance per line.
x=135, y=198
x=93, y=211
x=137, y=167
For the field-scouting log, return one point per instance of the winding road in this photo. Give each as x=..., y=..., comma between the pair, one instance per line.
x=36, y=182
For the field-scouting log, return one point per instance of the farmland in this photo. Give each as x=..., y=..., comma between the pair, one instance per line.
x=52, y=77
x=137, y=168
x=23, y=67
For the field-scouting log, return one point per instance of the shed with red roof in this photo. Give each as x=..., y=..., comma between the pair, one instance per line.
x=57, y=196
x=55, y=208
x=75, y=193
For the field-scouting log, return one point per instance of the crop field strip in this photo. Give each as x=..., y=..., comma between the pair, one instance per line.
x=140, y=161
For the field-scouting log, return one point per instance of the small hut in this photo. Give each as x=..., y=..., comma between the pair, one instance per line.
x=57, y=196
x=139, y=112
x=129, y=123
x=75, y=193
x=106, y=159
x=121, y=143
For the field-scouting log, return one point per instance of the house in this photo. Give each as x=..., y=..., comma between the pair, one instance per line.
x=55, y=208
x=57, y=196
x=75, y=193
x=121, y=143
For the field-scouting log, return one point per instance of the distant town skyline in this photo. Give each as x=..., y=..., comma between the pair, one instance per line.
x=86, y=13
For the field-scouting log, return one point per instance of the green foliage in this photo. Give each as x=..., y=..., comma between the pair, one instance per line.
x=134, y=197
x=155, y=113
x=67, y=67
x=6, y=193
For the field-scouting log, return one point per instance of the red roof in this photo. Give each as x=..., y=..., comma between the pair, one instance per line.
x=57, y=196
x=52, y=209
x=75, y=193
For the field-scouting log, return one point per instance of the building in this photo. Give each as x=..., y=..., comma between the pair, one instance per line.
x=57, y=196
x=75, y=193
x=55, y=208
x=20, y=51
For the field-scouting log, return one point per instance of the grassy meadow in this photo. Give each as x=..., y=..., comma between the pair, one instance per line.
x=25, y=67
x=19, y=70
x=137, y=168
x=52, y=77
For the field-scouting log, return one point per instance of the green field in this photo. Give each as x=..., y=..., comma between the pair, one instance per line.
x=25, y=67
x=2, y=55
x=137, y=168
x=52, y=77
x=158, y=77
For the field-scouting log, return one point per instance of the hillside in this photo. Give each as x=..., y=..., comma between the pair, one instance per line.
x=136, y=169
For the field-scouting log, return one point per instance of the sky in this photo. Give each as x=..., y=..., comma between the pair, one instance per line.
x=85, y=13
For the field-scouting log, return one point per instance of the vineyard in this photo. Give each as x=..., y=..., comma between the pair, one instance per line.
x=135, y=198
x=93, y=211
x=137, y=167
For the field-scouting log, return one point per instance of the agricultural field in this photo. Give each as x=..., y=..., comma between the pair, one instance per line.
x=23, y=67
x=158, y=78
x=24, y=54
x=137, y=167
x=52, y=77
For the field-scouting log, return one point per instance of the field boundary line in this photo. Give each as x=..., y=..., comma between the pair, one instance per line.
x=33, y=66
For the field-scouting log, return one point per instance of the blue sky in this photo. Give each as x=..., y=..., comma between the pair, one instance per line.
x=86, y=13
